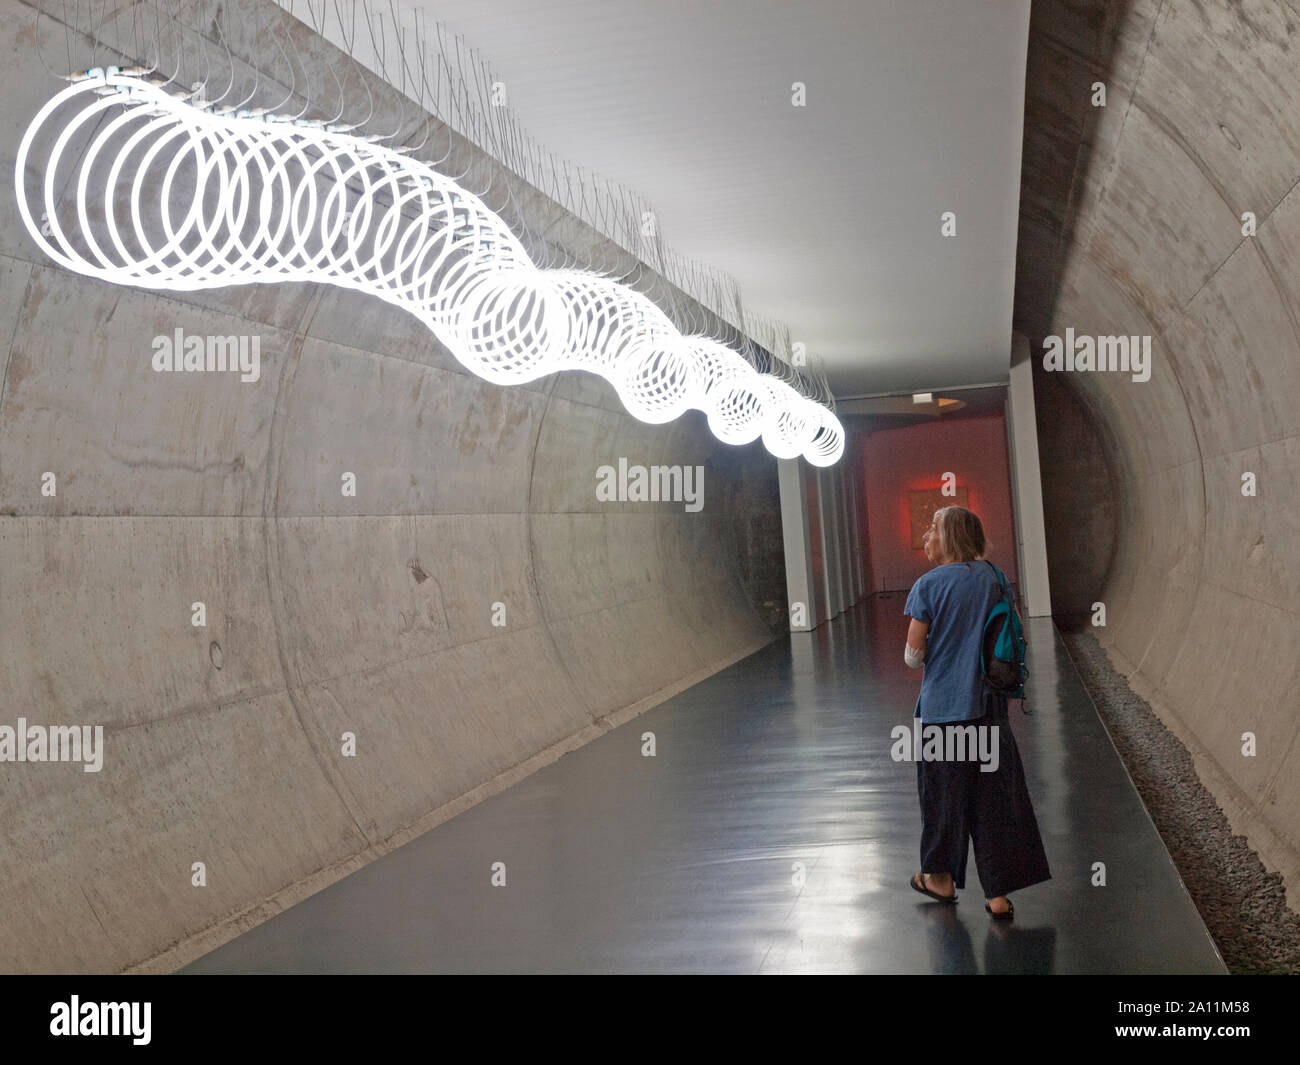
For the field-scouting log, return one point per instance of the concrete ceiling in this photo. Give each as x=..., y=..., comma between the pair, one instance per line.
x=827, y=215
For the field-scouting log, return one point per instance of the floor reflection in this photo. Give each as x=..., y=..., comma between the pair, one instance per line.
x=772, y=832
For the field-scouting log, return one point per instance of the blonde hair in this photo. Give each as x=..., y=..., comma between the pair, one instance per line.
x=960, y=534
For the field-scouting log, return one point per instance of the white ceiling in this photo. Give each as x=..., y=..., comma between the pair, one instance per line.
x=827, y=215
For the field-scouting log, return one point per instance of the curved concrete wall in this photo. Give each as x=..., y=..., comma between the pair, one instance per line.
x=326, y=614
x=1077, y=469
x=1201, y=124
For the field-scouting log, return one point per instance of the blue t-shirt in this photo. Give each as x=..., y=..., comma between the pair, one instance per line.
x=955, y=599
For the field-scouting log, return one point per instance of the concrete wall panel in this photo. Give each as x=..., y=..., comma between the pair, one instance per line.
x=326, y=613
x=1202, y=124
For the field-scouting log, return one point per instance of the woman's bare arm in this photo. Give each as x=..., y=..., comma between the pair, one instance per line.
x=914, y=653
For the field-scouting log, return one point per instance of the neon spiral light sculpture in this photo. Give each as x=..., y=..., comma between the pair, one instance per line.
x=174, y=195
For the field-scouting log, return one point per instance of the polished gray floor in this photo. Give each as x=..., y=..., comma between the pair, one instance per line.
x=771, y=833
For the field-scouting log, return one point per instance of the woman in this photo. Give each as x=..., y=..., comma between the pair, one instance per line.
x=948, y=607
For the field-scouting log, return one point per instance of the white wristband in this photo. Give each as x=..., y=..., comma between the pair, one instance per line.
x=913, y=657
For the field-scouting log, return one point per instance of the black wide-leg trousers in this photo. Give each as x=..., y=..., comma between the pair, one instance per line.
x=992, y=809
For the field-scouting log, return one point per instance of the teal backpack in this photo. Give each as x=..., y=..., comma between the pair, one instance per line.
x=1002, y=654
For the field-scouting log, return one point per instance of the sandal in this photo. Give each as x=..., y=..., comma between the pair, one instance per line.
x=1011, y=911
x=918, y=884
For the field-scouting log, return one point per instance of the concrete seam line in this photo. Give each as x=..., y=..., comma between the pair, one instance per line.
x=13, y=336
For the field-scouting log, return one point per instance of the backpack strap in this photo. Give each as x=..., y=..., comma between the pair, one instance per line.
x=1002, y=584
x=1004, y=587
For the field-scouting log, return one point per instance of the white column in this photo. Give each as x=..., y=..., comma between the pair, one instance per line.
x=1026, y=487
x=853, y=475
x=794, y=531
x=826, y=497
x=841, y=524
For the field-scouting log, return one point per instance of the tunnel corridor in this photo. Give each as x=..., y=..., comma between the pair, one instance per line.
x=358, y=627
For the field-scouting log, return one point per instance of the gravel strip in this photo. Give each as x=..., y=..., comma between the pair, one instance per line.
x=1242, y=903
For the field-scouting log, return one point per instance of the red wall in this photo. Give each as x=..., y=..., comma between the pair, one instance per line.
x=898, y=461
